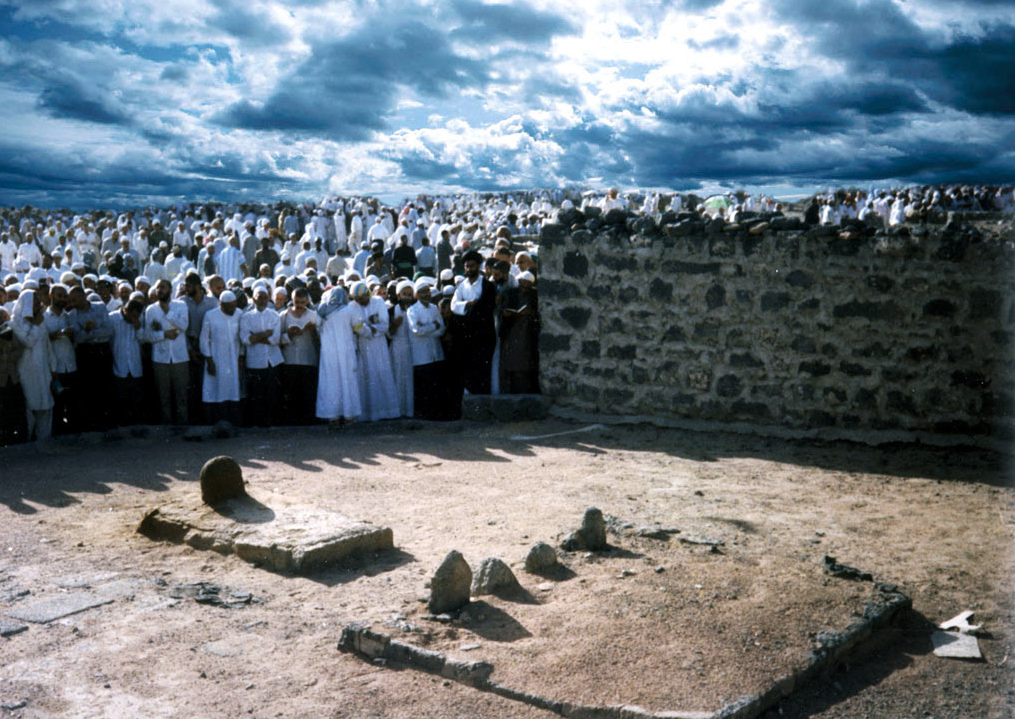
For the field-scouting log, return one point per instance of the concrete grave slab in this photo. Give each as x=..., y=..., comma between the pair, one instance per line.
x=284, y=537
x=954, y=645
x=58, y=607
x=9, y=629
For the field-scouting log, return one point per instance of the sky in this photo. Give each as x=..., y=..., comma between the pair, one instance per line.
x=125, y=103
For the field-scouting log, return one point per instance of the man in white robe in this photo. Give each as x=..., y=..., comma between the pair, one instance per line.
x=261, y=334
x=400, y=348
x=128, y=332
x=299, y=347
x=377, y=383
x=338, y=397
x=425, y=330
x=219, y=344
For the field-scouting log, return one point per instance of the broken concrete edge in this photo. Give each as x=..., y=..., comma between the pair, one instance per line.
x=832, y=648
x=361, y=640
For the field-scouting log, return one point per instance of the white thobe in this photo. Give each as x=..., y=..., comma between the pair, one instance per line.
x=220, y=340
x=260, y=355
x=425, y=330
x=35, y=365
x=377, y=382
x=338, y=381
x=126, y=346
x=302, y=349
x=64, y=359
x=401, y=363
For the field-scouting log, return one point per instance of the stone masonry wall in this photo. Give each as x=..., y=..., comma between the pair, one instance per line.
x=842, y=331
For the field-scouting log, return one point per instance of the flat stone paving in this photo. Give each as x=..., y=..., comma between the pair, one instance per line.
x=283, y=537
x=49, y=610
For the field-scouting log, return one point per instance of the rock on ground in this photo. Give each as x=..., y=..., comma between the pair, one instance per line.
x=541, y=558
x=493, y=576
x=451, y=584
x=221, y=479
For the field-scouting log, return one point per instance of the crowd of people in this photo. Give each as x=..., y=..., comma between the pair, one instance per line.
x=340, y=311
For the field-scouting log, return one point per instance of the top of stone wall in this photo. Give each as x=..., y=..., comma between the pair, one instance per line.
x=946, y=238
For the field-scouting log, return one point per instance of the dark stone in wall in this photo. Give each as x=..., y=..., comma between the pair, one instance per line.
x=799, y=278
x=922, y=354
x=751, y=243
x=868, y=310
x=745, y=360
x=552, y=234
x=851, y=369
x=967, y=378
x=846, y=246
x=772, y=301
x=755, y=410
x=829, y=350
x=557, y=289
x=624, y=352
x=939, y=308
x=661, y=291
x=615, y=262
x=568, y=217
x=896, y=374
x=820, y=418
x=745, y=296
x=616, y=216
x=690, y=268
x=708, y=330
x=984, y=304
x=587, y=392
x=596, y=292
x=591, y=349
x=639, y=375
x=834, y=393
x=715, y=297
x=593, y=211
x=576, y=265
x=881, y=283
x=815, y=369
x=614, y=397
x=875, y=351
x=952, y=250
x=866, y=399
x=674, y=333
x=577, y=317
x=811, y=304
x=721, y=246
x=804, y=345
x=629, y=294
x=729, y=386
x=581, y=237
x=901, y=402
x=1001, y=338
x=554, y=343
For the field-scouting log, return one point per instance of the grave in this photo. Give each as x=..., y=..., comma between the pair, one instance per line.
x=283, y=537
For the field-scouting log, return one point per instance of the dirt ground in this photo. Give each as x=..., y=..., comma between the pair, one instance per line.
x=658, y=622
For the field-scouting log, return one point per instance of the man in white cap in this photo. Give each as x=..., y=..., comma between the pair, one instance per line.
x=166, y=322
x=299, y=348
x=338, y=394
x=260, y=333
x=425, y=330
x=377, y=383
x=219, y=344
x=401, y=349
x=128, y=332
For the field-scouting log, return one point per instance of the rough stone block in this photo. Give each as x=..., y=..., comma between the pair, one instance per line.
x=541, y=558
x=493, y=576
x=451, y=584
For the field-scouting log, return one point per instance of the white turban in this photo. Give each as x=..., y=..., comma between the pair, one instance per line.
x=227, y=296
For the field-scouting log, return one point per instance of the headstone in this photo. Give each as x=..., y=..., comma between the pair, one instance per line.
x=493, y=576
x=541, y=558
x=221, y=479
x=451, y=584
x=591, y=536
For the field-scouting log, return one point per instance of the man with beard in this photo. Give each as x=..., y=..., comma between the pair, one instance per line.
x=57, y=322
x=166, y=323
x=127, y=335
x=400, y=348
x=260, y=332
x=90, y=321
x=425, y=330
x=519, y=333
x=199, y=303
x=474, y=303
x=299, y=347
x=219, y=345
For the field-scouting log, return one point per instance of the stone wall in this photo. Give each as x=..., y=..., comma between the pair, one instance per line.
x=844, y=331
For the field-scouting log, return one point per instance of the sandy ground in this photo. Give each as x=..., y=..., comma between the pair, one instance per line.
x=660, y=623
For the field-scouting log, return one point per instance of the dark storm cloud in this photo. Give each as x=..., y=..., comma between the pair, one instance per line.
x=348, y=87
x=520, y=22
x=968, y=72
x=72, y=99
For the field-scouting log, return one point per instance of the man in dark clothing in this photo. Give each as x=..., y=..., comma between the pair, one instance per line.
x=474, y=302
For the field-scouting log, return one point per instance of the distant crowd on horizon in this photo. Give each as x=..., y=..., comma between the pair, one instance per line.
x=342, y=310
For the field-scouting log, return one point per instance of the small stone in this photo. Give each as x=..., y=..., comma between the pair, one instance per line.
x=14, y=706
x=546, y=587
x=221, y=479
x=451, y=584
x=9, y=629
x=541, y=558
x=470, y=647
x=626, y=572
x=493, y=576
x=592, y=534
x=659, y=570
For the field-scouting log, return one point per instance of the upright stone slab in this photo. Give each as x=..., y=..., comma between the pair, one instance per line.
x=541, y=558
x=493, y=576
x=591, y=536
x=451, y=584
x=221, y=479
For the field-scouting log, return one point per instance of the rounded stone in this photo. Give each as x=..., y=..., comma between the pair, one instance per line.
x=221, y=479
x=541, y=558
x=492, y=576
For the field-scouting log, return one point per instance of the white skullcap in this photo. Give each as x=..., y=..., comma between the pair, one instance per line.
x=29, y=285
x=447, y=275
x=227, y=296
x=260, y=287
x=421, y=283
x=90, y=276
x=402, y=285
x=140, y=279
x=248, y=282
x=135, y=295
